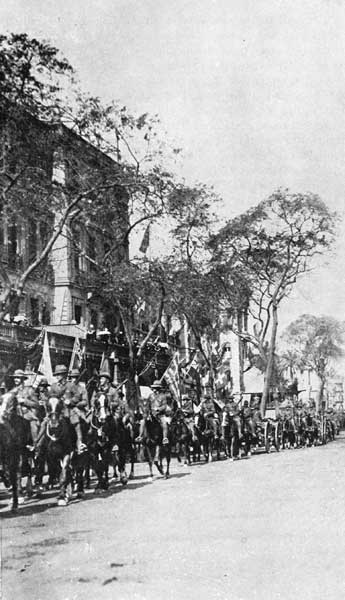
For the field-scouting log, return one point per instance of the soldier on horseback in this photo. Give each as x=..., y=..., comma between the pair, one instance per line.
x=25, y=401
x=208, y=410
x=157, y=407
x=247, y=416
x=75, y=401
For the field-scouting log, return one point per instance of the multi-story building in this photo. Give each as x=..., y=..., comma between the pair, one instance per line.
x=48, y=167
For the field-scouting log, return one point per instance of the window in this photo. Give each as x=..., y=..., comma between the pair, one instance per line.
x=34, y=312
x=77, y=312
x=45, y=314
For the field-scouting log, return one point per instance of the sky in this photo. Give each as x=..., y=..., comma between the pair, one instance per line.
x=252, y=90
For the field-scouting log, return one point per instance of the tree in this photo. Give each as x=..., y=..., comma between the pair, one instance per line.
x=266, y=250
x=316, y=343
x=41, y=110
x=146, y=286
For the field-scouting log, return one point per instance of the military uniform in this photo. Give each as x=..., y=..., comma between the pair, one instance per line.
x=157, y=406
x=247, y=416
x=27, y=403
x=187, y=406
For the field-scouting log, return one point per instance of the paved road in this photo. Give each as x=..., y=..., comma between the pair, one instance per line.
x=272, y=527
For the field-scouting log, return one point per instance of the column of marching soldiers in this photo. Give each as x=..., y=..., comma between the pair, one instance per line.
x=186, y=426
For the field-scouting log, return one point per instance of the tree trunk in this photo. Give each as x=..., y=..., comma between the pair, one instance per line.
x=132, y=385
x=270, y=361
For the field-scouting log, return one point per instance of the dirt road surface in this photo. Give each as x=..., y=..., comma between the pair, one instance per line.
x=270, y=527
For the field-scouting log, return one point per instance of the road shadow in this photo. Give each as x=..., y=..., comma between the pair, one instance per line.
x=39, y=505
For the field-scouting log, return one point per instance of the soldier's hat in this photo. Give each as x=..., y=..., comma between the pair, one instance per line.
x=2, y=385
x=74, y=373
x=105, y=369
x=60, y=370
x=185, y=397
x=157, y=384
x=20, y=374
x=43, y=382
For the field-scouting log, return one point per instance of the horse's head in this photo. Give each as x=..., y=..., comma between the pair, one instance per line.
x=101, y=407
x=54, y=410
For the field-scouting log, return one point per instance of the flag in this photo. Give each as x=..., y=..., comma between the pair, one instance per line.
x=194, y=367
x=45, y=366
x=77, y=355
x=145, y=242
x=172, y=377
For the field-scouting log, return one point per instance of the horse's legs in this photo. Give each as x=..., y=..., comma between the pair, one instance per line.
x=167, y=457
x=132, y=458
x=149, y=460
x=65, y=481
x=122, y=465
x=14, y=468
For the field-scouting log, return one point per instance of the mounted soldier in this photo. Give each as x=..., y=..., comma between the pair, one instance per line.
x=74, y=400
x=24, y=401
x=157, y=407
x=208, y=410
x=247, y=416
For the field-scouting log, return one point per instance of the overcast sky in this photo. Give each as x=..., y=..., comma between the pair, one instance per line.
x=253, y=90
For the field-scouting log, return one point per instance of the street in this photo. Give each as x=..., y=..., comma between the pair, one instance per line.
x=270, y=527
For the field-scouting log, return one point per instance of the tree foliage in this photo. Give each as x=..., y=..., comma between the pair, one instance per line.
x=271, y=245
x=315, y=342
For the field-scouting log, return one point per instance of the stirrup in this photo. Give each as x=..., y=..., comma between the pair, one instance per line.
x=165, y=441
x=138, y=439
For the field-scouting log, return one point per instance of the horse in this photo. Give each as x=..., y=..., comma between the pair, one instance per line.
x=15, y=441
x=60, y=441
x=246, y=438
x=153, y=448
x=300, y=430
x=182, y=435
x=102, y=440
x=207, y=436
x=288, y=433
x=311, y=430
x=126, y=432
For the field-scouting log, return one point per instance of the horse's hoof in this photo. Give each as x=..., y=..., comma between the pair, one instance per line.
x=124, y=480
x=166, y=476
x=62, y=502
x=150, y=479
x=249, y=454
x=14, y=510
x=131, y=476
x=21, y=500
x=80, y=495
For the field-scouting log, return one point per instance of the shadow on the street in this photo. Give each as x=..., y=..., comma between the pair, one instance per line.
x=39, y=505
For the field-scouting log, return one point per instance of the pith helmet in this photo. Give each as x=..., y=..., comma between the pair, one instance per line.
x=157, y=385
x=105, y=369
x=104, y=373
x=60, y=370
x=74, y=373
x=19, y=373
